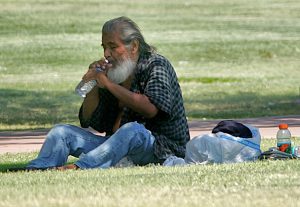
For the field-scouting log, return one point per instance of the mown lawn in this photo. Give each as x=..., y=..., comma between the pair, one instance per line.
x=234, y=58
x=260, y=183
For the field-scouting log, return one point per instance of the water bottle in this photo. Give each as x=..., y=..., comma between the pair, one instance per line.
x=84, y=88
x=283, y=137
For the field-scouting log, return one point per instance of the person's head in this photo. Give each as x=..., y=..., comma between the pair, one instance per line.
x=123, y=43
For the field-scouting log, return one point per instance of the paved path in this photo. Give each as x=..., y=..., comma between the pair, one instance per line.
x=27, y=141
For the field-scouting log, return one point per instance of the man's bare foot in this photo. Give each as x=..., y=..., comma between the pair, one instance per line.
x=68, y=167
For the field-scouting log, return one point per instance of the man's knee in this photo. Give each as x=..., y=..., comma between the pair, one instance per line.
x=130, y=130
x=132, y=127
x=59, y=131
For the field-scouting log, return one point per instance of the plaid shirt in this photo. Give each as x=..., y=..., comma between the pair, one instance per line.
x=156, y=78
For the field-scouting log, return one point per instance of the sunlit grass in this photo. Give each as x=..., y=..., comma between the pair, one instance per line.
x=234, y=59
x=270, y=182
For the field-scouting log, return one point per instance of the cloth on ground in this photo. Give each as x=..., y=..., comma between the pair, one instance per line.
x=173, y=160
x=233, y=128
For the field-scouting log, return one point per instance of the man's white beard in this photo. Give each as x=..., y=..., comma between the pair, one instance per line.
x=122, y=71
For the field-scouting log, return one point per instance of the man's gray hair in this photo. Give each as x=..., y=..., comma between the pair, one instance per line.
x=128, y=31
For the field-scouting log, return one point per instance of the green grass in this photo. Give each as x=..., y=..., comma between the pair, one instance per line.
x=260, y=183
x=234, y=59
x=251, y=184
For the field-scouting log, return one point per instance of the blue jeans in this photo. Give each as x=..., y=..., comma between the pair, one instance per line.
x=132, y=140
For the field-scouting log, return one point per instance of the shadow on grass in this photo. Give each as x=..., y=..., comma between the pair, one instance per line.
x=23, y=107
x=7, y=167
x=20, y=166
x=34, y=109
x=240, y=105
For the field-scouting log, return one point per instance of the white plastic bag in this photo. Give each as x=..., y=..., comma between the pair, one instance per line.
x=223, y=148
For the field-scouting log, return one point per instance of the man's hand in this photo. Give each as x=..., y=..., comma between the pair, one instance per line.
x=102, y=79
x=92, y=99
x=96, y=68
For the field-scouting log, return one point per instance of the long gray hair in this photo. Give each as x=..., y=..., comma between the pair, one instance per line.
x=128, y=31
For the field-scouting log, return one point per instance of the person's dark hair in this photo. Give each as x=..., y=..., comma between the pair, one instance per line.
x=129, y=31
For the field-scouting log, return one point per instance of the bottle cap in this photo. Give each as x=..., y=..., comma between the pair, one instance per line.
x=283, y=126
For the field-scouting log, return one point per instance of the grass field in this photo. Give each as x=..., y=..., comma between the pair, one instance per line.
x=260, y=183
x=234, y=58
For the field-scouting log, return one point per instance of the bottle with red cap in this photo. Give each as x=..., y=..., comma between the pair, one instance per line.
x=283, y=136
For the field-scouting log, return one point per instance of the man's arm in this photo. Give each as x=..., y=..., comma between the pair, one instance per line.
x=90, y=103
x=137, y=102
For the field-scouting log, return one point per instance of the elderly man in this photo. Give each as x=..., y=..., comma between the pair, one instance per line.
x=137, y=102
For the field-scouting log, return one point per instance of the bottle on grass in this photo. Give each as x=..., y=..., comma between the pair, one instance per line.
x=283, y=137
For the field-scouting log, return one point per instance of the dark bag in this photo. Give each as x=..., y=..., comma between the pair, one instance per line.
x=233, y=128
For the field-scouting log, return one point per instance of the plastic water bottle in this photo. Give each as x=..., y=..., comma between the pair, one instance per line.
x=283, y=136
x=84, y=88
